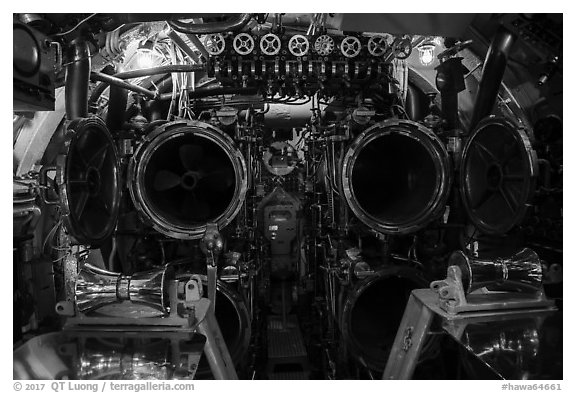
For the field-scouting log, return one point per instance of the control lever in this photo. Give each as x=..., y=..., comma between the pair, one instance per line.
x=212, y=245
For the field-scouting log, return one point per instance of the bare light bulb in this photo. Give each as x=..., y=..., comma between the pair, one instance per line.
x=145, y=59
x=426, y=54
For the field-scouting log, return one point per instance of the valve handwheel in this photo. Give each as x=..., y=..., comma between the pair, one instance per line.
x=270, y=44
x=324, y=45
x=378, y=45
x=243, y=44
x=215, y=44
x=350, y=46
x=402, y=47
x=298, y=45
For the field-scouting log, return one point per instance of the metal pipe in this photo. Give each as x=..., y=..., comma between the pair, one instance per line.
x=162, y=84
x=147, y=83
x=96, y=93
x=232, y=24
x=199, y=45
x=77, y=79
x=112, y=21
x=145, y=72
x=111, y=80
x=155, y=107
x=111, y=266
x=413, y=108
x=492, y=74
x=546, y=169
x=33, y=212
x=182, y=45
x=161, y=70
x=117, y=102
x=206, y=92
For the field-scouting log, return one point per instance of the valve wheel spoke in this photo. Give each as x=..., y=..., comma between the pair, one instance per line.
x=485, y=154
x=510, y=201
x=81, y=205
x=486, y=197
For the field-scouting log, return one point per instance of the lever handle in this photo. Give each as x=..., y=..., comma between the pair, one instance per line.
x=43, y=181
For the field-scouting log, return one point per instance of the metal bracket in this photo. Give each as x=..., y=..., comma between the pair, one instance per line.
x=451, y=290
x=65, y=308
x=212, y=245
x=452, y=297
x=193, y=290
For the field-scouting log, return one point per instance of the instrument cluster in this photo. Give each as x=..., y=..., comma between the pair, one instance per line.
x=302, y=63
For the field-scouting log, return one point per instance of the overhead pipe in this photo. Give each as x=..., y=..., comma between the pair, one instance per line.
x=142, y=73
x=119, y=79
x=160, y=70
x=199, y=45
x=492, y=74
x=147, y=83
x=112, y=21
x=77, y=79
x=111, y=80
x=152, y=17
x=234, y=23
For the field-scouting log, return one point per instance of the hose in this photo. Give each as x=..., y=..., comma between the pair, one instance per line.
x=492, y=74
x=96, y=93
x=233, y=24
x=77, y=80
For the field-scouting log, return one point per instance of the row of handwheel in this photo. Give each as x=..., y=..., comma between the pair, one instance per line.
x=299, y=45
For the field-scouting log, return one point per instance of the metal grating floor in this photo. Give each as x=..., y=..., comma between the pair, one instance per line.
x=285, y=342
x=298, y=375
